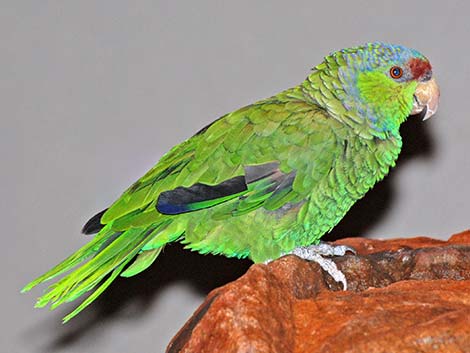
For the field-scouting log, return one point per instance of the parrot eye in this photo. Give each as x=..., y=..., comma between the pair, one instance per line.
x=396, y=72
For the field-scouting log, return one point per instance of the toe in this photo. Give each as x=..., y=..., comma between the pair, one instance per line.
x=341, y=250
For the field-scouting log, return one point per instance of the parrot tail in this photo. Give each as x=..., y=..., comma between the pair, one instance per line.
x=106, y=256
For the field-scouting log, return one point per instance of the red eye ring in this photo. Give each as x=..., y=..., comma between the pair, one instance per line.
x=396, y=72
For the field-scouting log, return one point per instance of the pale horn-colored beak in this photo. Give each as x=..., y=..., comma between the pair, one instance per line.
x=426, y=99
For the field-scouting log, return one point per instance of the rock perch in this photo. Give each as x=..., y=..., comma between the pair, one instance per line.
x=405, y=295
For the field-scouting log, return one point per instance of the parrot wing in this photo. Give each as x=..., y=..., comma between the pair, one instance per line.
x=264, y=155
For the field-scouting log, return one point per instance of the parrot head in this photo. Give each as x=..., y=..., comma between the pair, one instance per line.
x=382, y=83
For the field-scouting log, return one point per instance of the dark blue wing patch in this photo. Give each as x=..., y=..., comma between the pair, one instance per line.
x=182, y=200
x=262, y=181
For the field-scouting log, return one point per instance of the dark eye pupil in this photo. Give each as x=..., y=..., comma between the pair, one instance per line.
x=396, y=71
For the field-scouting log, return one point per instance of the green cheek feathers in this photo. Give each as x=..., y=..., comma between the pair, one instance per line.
x=390, y=101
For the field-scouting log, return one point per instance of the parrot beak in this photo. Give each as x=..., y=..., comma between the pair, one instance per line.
x=426, y=99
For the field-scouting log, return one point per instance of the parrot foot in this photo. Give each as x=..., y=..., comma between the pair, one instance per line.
x=317, y=252
x=326, y=249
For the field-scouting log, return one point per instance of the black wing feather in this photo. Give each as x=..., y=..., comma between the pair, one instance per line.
x=94, y=224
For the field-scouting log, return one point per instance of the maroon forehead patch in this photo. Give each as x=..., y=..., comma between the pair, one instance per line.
x=420, y=68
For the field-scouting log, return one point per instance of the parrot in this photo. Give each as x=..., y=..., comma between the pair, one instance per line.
x=267, y=180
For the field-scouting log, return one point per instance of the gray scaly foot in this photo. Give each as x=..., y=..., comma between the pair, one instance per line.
x=317, y=252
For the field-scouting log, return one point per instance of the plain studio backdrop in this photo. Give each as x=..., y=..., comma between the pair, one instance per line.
x=93, y=93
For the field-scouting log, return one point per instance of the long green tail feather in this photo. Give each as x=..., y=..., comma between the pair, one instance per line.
x=111, y=255
x=85, y=278
x=143, y=260
x=73, y=260
x=96, y=293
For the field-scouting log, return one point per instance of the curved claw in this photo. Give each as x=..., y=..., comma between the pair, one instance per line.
x=341, y=250
x=327, y=249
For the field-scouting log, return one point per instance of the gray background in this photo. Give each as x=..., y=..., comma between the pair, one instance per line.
x=93, y=93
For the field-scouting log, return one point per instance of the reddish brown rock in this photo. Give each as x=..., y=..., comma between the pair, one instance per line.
x=404, y=295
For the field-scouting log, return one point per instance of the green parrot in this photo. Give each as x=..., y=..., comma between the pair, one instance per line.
x=264, y=181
